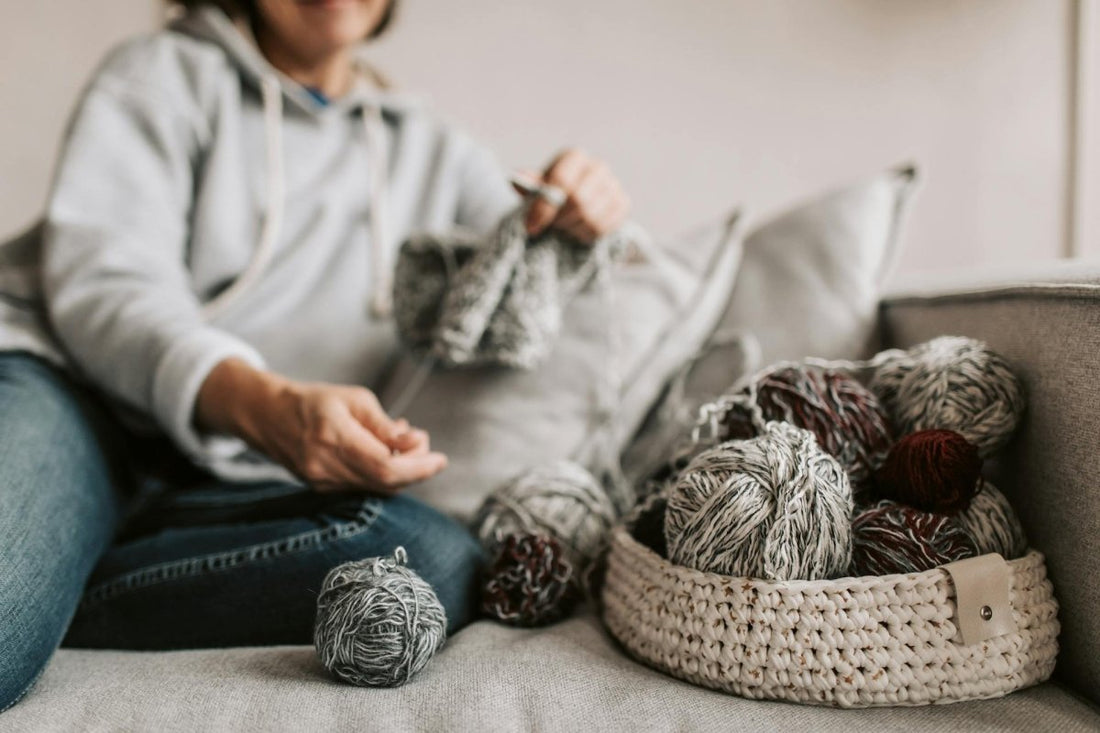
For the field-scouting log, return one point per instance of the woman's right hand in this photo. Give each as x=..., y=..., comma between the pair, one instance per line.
x=333, y=437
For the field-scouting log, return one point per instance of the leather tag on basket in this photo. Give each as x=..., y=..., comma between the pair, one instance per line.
x=982, y=587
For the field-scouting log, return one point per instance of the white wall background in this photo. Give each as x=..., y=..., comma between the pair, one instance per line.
x=698, y=104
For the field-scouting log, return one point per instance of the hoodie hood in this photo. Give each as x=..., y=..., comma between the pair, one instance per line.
x=211, y=24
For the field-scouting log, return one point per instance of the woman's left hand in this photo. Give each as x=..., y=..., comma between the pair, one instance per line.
x=595, y=202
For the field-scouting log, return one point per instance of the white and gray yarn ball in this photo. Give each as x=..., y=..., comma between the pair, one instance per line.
x=993, y=524
x=776, y=506
x=951, y=383
x=378, y=622
x=561, y=499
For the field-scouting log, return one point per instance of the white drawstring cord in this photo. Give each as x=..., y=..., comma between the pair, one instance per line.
x=381, y=301
x=276, y=194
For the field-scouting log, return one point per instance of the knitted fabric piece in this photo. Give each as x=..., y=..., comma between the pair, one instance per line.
x=499, y=300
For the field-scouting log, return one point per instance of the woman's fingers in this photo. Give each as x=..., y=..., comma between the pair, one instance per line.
x=595, y=202
x=565, y=172
x=369, y=462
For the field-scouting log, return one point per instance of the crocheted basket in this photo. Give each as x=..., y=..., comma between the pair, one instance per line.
x=851, y=642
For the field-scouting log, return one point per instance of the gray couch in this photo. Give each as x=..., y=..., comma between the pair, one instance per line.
x=573, y=676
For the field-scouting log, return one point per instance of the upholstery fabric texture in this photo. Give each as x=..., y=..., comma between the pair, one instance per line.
x=494, y=423
x=489, y=677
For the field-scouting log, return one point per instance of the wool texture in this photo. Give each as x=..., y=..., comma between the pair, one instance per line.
x=951, y=383
x=890, y=538
x=562, y=500
x=844, y=416
x=931, y=470
x=467, y=300
x=530, y=581
x=776, y=506
x=993, y=524
x=378, y=622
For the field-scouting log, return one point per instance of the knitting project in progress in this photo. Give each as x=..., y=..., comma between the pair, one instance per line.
x=466, y=300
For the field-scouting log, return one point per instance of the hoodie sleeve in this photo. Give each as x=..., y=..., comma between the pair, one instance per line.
x=117, y=287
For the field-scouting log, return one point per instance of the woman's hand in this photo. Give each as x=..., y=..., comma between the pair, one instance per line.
x=333, y=437
x=595, y=202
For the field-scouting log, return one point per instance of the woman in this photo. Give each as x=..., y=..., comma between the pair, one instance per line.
x=214, y=264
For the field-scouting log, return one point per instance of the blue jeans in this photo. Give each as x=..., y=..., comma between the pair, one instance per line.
x=99, y=550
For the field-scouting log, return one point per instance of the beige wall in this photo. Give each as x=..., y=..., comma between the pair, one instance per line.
x=697, y=103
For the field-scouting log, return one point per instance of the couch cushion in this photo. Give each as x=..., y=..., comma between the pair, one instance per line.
x=810, y=278
x=489, y=677
x=494, y=423
x=1047, y=324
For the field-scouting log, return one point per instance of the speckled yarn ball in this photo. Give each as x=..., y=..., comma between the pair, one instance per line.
x=776, y=506
x=893, y=538
x=931, y=470
x=378, y=622
x=530, y=582
x=844, y=416
x=952, y=383
x=562, y=500
x=993, y=525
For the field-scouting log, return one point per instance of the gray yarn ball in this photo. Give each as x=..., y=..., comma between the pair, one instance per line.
x=951, y=383
x=561, y=499
x=993, y=524
x=378, y=622
x=776, y=506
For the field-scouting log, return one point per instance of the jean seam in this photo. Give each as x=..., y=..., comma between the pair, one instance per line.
x=215, y=562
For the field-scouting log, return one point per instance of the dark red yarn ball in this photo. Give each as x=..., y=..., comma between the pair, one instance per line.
x=892, y=538
x=846, y=418
x=530, y=582
x=932, y=470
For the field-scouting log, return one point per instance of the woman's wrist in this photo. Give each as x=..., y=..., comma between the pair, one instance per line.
x=231, y=396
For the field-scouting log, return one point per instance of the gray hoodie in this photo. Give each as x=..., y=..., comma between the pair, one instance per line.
x=206, y=206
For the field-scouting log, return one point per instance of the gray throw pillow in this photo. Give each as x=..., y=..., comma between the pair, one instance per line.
x=808, y=285
x=494, y=423
x=810, y=279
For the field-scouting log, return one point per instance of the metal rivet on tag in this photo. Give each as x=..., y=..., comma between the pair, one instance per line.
x=985, y=612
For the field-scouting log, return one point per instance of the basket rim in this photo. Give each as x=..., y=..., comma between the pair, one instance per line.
x=623, y=536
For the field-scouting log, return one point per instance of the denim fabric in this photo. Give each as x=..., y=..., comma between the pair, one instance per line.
x=203, y=563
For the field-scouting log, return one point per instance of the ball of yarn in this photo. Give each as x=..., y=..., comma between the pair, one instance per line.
x=776, y=506
x=530, y=582
x=844, y=416
x=378, y=622
x=890, y=538
x=931, y=470
x=952, y=383
x=561, y=499
x=993, y=525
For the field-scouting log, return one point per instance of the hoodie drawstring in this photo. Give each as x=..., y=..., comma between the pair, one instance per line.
x=272, y=95
x=381, y=302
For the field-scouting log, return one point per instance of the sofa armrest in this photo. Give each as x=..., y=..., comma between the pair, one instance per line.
x=1068, y=277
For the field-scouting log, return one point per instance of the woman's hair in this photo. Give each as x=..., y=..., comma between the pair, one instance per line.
x=247, y=9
